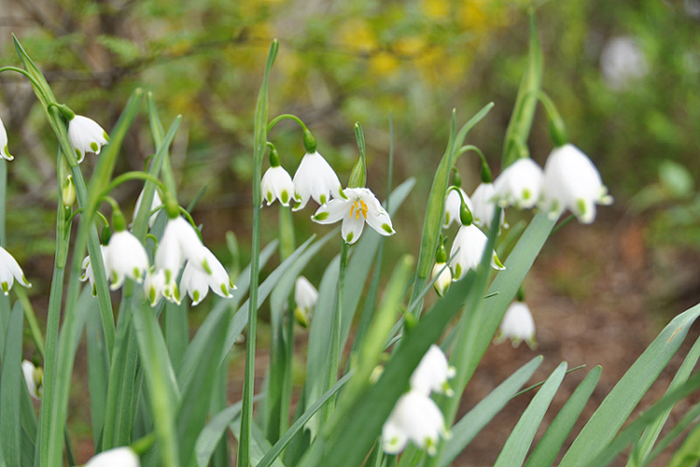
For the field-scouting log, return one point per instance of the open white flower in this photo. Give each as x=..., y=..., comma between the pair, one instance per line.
x=315, y=179
x=179, y=242
x=360, y=206
x=277, y=184
x=519, y=184
x=117, y=457
x=197, y=282
x=154, y=286
x=432, y=373
x=88, y=273
x=444, y=278
x=4, y=151
x=33, y=376
x=86, y=135
x=467, y=249
x=572, y=182
x=417, y=418
x=483, y=200
x=126, y=257
x=452, y=206
x=518, y=325
x=305, y=296
x=155, y=204
x=9, y=271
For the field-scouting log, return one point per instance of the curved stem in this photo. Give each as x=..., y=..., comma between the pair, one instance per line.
x=485, y=170
x=132, y=176
x=23, y=72
x=279, y=118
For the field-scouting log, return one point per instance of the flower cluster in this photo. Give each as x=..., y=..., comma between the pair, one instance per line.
x=416, y=417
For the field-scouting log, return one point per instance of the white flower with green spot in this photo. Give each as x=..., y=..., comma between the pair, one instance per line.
x=88, y=273
x=305, y=296
x=444, y=278
x=572, y=182
x=416, y=418
x=9, y=271
x=277, y=184
x=34, y=377
x=519, y=184
x=315, y=179
x=154, y=286
x=453, y=203
x=360, y=206
x=197, y=281
x=86, y=135
x=518, y=325
x=117, y=457
x=432, y=373
x=155, y=204
x=467, y=250
x=180, y=242
x=4, y=151
x=126, y=257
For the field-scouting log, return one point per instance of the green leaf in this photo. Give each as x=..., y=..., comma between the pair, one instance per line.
x=627, y=393
x=258, y=444
x=547, y=449
x=98, y=374
x=11, y=391
x=213, y=431
x=464, y=431
x=176, y=330
x=689, y=418
x=516, y=447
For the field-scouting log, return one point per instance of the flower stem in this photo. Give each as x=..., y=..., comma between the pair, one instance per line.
x=279, y=118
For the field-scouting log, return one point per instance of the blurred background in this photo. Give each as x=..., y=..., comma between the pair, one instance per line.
x=625, y=76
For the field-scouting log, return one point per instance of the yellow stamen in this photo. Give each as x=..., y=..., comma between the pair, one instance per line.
x=358, y=207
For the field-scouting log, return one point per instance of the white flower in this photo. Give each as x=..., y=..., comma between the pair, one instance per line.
x=88, y=273
x=117, y=457
x=518, y=325
x=519, y=184
x=453, y=204
x=442, y=283
x=33, y=376
x=179, y=242
x=572, y=182
x=196, y=283
x=9, y=271
x=154, y=285
x=360, y=206
x=483, y=200
x=155, y=204
x=305, y=296
x=432, y=373
x=126, y=257
x=467, y=249
x=86, y=135
x=4, y=151
x=417, y=418
x=315, y=179
x=622, y=61
x=277, y=184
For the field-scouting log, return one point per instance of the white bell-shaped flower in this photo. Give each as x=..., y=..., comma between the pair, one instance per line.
x=467, y=249
x=359, y=206
x=315, y=179
x=154, y=286
x=9, y=271
x=4, y=151
x=126, y=257
x=432, y=373
x=117, y=457
x=277, y=184
x=86, y=135
x=444, y=278
x=484, y=202
x=88, y=273
x=452, y=205
x=155, y=204
x=572, y=182
x=518, y=325
x=179, y=242
x=519, y=184
x=33, y=376
x=305, y=296
x=416, y=418
x=196, y=283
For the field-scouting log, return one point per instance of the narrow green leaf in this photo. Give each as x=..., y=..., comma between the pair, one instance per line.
x=464, y=431
x=547, y=449
x=98, y=375
x=516, y=447
x=688, y=455
x=689, y=418
x=176, y=330
x=10, y=389
x=213, y=431
x=258, y=444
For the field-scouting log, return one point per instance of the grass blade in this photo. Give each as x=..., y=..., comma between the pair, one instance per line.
x=11, y=389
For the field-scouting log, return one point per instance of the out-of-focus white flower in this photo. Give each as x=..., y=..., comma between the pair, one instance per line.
x=4, y=151
x=154, y=286
x=467, y=249
x=305, y=296
x=359, y=206
x=117, y=457
x=86, y=135
x=88, y=273
x=417, y=418
x=432, y=373
x=444, y=277
x=452, y=205
x=519, y=184
x=277, y=184
x=315, y=179
x=483, y=200
x=179, y=242
x=126, y=257
x=518, y=325
x=621, y=62
x=155, y=204
x=572, y=182
x=34, y=377
x=197, y=282
x=9, y=271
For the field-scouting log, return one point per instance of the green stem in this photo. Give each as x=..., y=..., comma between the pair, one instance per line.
x=31, y=319
x=132, y=176
x=562, y=224
x=3, y=198
x=279, y=118
x=27, y=75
